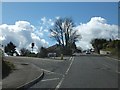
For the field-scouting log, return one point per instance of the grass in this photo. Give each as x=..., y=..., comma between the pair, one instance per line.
x=7, y=68
x=114, y=52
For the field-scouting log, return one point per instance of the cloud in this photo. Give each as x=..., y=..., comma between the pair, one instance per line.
x=44, y=26
x=22, y=34
x=57, y=17
x=97, y=27
x=44, y=20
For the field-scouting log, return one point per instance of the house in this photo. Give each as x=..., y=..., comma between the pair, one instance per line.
x=54, y=49
x=104, y=52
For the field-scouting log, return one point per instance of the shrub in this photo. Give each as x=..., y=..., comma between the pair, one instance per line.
x=42, y=53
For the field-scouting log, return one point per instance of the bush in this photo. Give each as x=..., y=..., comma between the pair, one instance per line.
x=32, y=55
x=43, y=52
x=115, y=52
x=67, y=51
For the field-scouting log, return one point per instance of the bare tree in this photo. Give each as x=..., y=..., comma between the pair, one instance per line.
x=24, y=52
x=63, y=32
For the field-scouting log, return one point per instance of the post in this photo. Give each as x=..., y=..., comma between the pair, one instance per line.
x=61, y=56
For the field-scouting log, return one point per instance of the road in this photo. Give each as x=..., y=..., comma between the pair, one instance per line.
x=91, y=72
x=88, y=71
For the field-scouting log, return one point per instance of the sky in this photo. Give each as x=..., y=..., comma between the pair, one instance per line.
x=26, y=22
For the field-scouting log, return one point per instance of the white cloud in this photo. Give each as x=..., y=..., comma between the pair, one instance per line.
x=50, y=22
x=97, y=27
x=57, y=17
x=22, y=34
x=47, y=22
x=46, y=30
x=44, y=26
x=44, y=20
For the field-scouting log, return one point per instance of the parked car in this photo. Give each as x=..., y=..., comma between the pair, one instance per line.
x=87, y=52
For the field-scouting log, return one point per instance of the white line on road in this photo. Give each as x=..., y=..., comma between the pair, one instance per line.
x=69, y=66
x=49, y=79
x=47, y=70
x=59, y=84
x=51, y=72
x=70, y=58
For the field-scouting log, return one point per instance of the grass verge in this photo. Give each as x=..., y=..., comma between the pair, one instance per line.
x=7, y=68
x=115, y=52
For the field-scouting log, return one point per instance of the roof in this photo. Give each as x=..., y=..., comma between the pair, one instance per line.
x=53, y=48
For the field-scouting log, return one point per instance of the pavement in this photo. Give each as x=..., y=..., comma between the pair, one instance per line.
x=54, y=69
x=24, y=75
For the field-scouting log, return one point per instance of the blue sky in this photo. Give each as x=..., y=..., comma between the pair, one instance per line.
x=81, y=12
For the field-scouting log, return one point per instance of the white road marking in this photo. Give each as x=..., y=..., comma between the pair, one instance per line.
x=49, y=79
x=70, y=58
x=49, y=72
x=59, y=84
x=69, y=66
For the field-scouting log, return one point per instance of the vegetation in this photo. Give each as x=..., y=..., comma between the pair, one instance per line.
x=108, y=45
x=65, y=35
x=7, y=68
x=42, y=53
x=63, y=32
x=32, y=54
x=24, y=52
x=99, y=44
x=10, y=49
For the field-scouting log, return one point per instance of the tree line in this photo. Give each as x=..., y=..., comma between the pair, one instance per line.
x=104, y=44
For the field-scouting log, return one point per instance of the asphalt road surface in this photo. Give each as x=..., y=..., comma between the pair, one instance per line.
x=88, y=71
x=91, y=72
